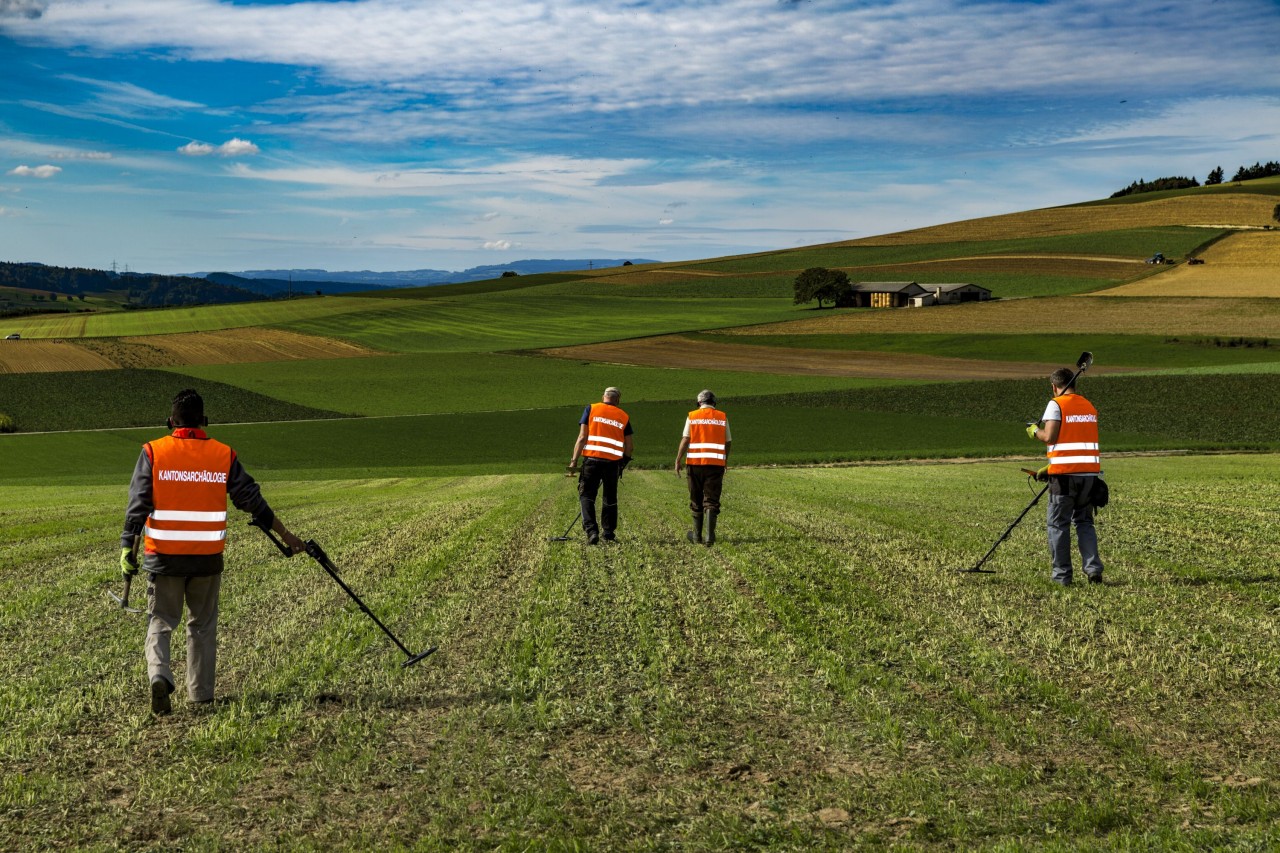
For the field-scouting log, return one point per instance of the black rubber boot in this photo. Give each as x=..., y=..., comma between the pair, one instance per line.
x=695, y=535
x=711, y=527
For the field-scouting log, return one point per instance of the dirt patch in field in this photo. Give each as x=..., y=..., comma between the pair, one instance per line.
x=1242, y=265
x=228, y=346
x=1063, y=315
x=675, y=351
x=1220, y=211
x=49, y=357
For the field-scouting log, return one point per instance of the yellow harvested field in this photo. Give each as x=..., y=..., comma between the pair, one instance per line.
x=675, y=351
x=1221, y=210
x=48, y=357
x=1244, y=265
x=1061, y=314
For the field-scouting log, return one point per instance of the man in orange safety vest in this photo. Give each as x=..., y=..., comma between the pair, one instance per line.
x=704, y=446
x=178, y=508
x=604, y=443
x=1070, y=431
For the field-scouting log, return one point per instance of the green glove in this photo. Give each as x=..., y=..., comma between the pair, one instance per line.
x=1031, y=431
x=128, y=563
x=1043, y=474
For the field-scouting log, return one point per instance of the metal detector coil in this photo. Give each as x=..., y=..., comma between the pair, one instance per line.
x=317, y=553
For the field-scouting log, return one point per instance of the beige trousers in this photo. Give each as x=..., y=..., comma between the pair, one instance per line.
x=165, y=597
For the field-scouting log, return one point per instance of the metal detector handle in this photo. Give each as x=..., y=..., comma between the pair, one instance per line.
x=275, y=540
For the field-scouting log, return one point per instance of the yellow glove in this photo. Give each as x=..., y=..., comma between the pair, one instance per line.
x=1031, y=431
x=128, y=563
x=1043, y=474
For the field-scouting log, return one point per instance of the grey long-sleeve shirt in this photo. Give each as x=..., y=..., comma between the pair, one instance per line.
x=245, y=495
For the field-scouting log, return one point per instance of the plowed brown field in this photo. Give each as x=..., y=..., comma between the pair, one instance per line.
x=1063, y=314
x=48, y=357
x=1245, y=264
x=229, y=346
x=675, y=351
x=1244, y=209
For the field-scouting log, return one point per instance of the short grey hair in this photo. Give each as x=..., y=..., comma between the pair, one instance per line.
x=706, y=395
x=613, y=393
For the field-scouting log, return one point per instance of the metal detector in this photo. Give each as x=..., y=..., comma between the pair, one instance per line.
x=977, y=567
x=317, y=553
x=1082, y=364
x=565, y=536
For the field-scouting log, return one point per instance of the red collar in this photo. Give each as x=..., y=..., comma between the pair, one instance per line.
x=189, y=432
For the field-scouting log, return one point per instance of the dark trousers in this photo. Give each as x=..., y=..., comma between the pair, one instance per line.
x=705, y=483
x=597, y=473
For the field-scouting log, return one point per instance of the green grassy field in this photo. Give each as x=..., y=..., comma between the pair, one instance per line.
x=823, y=678
x=166, y=321
x=1146, y=351
x=1129, y=243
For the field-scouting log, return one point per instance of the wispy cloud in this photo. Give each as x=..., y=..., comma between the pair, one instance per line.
x=608, y=55
x=46, y=171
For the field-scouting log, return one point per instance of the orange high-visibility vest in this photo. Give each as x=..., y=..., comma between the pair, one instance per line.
x=606, y=431
x=707, y=431
x=189, y=491
x=1076, y=450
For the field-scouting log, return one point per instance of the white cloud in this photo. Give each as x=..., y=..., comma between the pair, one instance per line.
x=666, y=221
x=235, y=147
x=498, y=245
x=196, y=149
x=488, y=217
x=45, y=171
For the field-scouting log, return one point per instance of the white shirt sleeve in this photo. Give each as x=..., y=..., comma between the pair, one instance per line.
x=728, y=434
x=1052, y=412
x=686, y=428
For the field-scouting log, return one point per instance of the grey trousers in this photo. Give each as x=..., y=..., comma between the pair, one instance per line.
x=1063, y=513
x=165, y=597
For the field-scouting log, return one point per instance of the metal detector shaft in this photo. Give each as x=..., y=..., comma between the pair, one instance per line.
x=977, y=567
x=564, y=536
x=317, y=553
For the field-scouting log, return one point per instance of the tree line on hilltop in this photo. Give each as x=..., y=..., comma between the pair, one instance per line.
x=1215, y=177
x=50, y=285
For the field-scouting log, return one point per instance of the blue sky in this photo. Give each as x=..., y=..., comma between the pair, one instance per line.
x=184, y=135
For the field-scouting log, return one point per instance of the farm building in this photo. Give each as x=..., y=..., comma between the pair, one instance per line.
x=881, y=294
x=946, y=294
x=901, y=294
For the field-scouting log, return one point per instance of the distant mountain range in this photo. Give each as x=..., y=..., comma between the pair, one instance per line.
x=272, y=282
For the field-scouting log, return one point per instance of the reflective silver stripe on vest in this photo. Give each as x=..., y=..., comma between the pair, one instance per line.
x=186, y=535
x=706, y=449
x=182, y=515
x=1075, y=460
x=611, y=451
x=1075, y=445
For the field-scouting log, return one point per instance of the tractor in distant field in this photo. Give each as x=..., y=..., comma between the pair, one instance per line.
x=1158, y=258
x=1194, y=261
